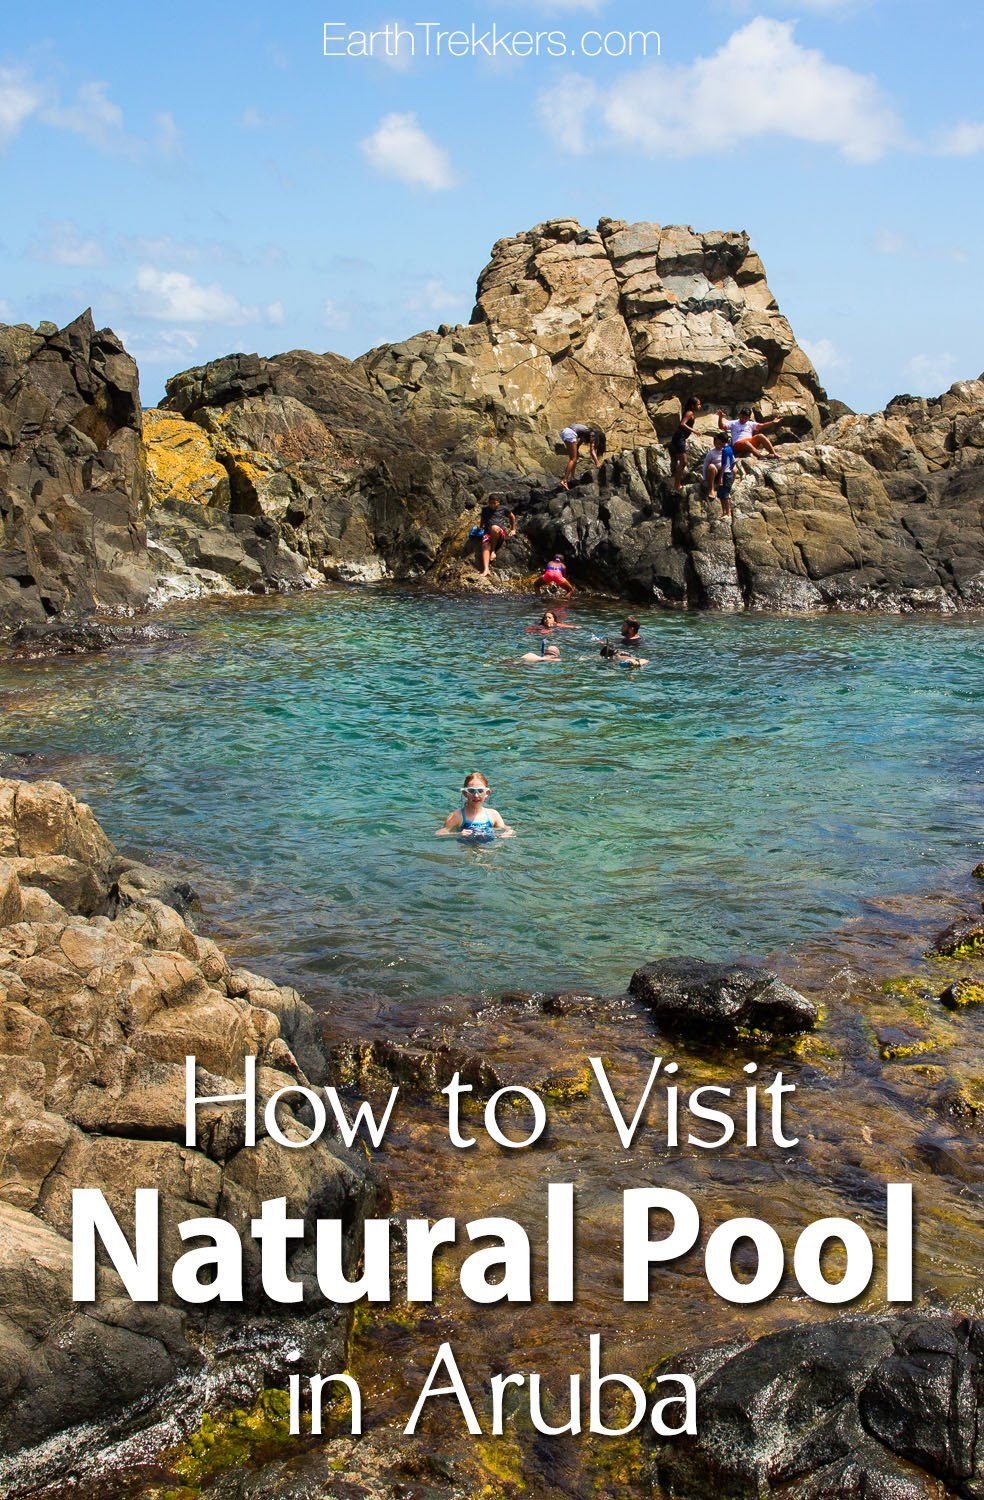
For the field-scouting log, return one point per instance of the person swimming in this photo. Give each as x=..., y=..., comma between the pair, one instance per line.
x=475, y=820
x=545, y=653
x=622, y=658
x=548, y=622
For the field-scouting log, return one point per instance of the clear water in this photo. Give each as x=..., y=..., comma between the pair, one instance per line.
x=749, y=788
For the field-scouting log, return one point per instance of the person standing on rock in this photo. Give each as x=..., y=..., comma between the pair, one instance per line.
x=718, y=472
x=497, y=525
x=679, y=440
x=573, y=439
x=747, y=435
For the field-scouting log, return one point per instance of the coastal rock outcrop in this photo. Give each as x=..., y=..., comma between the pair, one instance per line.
x=262, y=474
x=104, y=991
x=887, y=1408
x=688, y=992
x=73, y=489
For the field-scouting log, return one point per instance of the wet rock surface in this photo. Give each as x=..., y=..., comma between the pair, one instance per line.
x=886, y=1408
x=693, y=995
x=104, y=991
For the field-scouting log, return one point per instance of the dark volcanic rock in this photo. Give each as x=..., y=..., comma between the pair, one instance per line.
x=880, y=1408
x=54, y=639
x=962, y=937
x=688, y=993
x=72, y=477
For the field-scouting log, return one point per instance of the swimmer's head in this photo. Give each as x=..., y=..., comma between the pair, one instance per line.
x=608, y=651
x=475, y=786
x=548, y=619
x=630, y=626
x=552, y=653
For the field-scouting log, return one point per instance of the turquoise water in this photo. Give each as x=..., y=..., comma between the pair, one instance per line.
x=752, y=786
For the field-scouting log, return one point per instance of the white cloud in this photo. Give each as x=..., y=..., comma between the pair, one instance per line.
x=332, y=315
x=962, y=140
x=167, y=136
x=891, y=242
x=19, y=99
x=399, y=148
x=824, y=354
x=93, y=116
x=174, y=295
x=762, y=82
x=6, y=312
x=435, y=297
x=931, y=373
x=67, y=246
x=275, y=314
x=166, y=345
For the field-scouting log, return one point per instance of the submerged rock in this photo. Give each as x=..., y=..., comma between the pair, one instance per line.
x=104, y=991
x=961, y=939
x=57, y=639
x=885, y=1408
x=691, y=994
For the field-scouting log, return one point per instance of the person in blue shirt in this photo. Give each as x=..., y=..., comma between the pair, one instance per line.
x=719, y=472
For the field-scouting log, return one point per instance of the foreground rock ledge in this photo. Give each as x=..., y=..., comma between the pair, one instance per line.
x=104, y=990
x=880, y=1408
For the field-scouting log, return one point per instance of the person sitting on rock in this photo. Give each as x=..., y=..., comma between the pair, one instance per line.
x=678, y=442
x=718, y=472
x=554, y=576
x=496, y=525
x=573, y=439
x=747, y=437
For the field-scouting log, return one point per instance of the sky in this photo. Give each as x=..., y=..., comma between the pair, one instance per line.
x=214, y=177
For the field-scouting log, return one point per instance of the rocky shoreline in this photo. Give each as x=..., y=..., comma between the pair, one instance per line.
x=105, y=988
x=267, y=474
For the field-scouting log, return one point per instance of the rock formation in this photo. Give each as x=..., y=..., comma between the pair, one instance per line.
x=888, y=1408
x=275, y=473
x=72, y=480
x=104, y=990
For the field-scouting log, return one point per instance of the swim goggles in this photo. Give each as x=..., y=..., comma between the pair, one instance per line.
x=476, y=791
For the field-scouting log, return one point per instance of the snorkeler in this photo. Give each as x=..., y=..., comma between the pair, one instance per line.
x=545, y=653
x=622, y=658
x=475, y=819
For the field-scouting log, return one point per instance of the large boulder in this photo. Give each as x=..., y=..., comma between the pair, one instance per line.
x=691, y=994
x=73, y=486
x=886, y=1408
x=97, y=1015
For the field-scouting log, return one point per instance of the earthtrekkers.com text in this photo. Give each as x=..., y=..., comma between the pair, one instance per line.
x=430, y=39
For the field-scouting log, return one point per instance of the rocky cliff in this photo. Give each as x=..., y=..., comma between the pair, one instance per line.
x=72, y=477
x=275, y=473
x=104, y=990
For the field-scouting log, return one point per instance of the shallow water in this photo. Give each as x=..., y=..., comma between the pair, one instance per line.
x=739, y=794
x=806, y=787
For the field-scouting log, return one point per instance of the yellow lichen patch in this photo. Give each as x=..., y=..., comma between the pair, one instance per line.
x=233, y=1437
x=502, y=1460
x=962, y=992
x=181, y=462
x=563, y=1088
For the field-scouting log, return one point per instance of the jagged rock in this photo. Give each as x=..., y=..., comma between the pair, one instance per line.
x=97, y=1015
x=689, y=993
x=961, y=938
x=885, y=1408
x=182, y=463
x=72, y=478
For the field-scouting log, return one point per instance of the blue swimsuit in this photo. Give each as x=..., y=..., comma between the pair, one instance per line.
x=478, y=828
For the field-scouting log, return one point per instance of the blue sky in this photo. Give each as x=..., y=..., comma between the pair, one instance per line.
x=208, y=180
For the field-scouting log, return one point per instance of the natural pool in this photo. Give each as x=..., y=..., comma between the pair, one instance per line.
x=746, y=790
